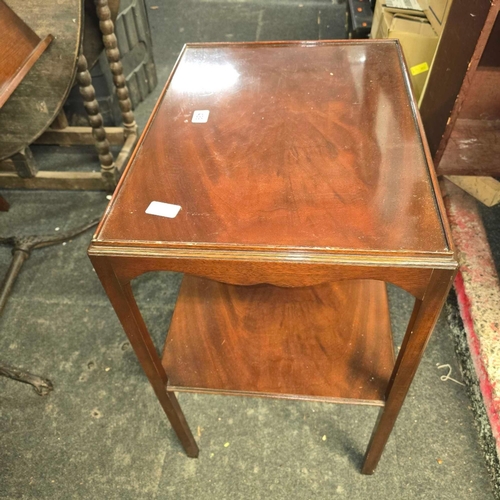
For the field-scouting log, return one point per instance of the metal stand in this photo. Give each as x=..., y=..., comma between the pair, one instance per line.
x=22, y=247
x=41, y=385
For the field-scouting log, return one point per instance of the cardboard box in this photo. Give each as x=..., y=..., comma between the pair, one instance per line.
x=418, y=41
x=408, y=7
x=377, y=18
x=484, y=189
x=436, y=11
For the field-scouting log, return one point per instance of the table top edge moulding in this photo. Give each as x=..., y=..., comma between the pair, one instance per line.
x=276, y=254
x=442, y=252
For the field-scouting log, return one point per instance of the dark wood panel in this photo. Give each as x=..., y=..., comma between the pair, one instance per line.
x=304, y=147
x=455, y=52
x=329, y=342
x=483, y=98
x=39, y=97
x=491, y=54
x=473, y=149
x=21, y=48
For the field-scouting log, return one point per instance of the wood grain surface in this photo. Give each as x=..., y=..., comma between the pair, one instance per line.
x=21, y=48
x=307, y=145
x=285, y=269
x=330, y=342
x=37, y=100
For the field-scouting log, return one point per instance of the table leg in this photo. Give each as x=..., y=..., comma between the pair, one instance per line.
x=4, y=204
x=423, y=319
x=115, y=65
x=122, y=299
x=87, y=91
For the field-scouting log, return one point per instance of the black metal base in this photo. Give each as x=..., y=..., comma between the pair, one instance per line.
x=42, y=386
x=22, y=247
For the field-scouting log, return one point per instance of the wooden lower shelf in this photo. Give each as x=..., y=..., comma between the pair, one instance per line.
x=330, y=342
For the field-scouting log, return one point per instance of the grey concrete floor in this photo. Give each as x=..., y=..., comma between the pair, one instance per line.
x=102, y=434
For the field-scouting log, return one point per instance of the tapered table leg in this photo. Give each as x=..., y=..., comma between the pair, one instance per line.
x=423, y=319
x=4, y=204
x=123, y=301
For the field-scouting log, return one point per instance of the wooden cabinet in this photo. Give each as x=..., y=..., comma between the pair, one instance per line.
x=461, y=107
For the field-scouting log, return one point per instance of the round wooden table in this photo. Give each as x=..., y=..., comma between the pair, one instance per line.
x=40, y=96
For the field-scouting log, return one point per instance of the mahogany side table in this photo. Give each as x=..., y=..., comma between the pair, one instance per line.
x=293, y=181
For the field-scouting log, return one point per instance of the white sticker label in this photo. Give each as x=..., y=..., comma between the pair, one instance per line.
x=163, y=209
x=200, y=116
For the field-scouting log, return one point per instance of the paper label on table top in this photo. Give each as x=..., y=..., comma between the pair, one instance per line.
x=200, y=116
x=163, y=209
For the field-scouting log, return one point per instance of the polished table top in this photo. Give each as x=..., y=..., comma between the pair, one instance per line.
x=311, y=145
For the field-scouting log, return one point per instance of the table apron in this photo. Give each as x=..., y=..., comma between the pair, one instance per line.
x=414, y=280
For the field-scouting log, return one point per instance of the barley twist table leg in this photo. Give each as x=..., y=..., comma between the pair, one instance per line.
x=115, y=65
x=87, y=91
